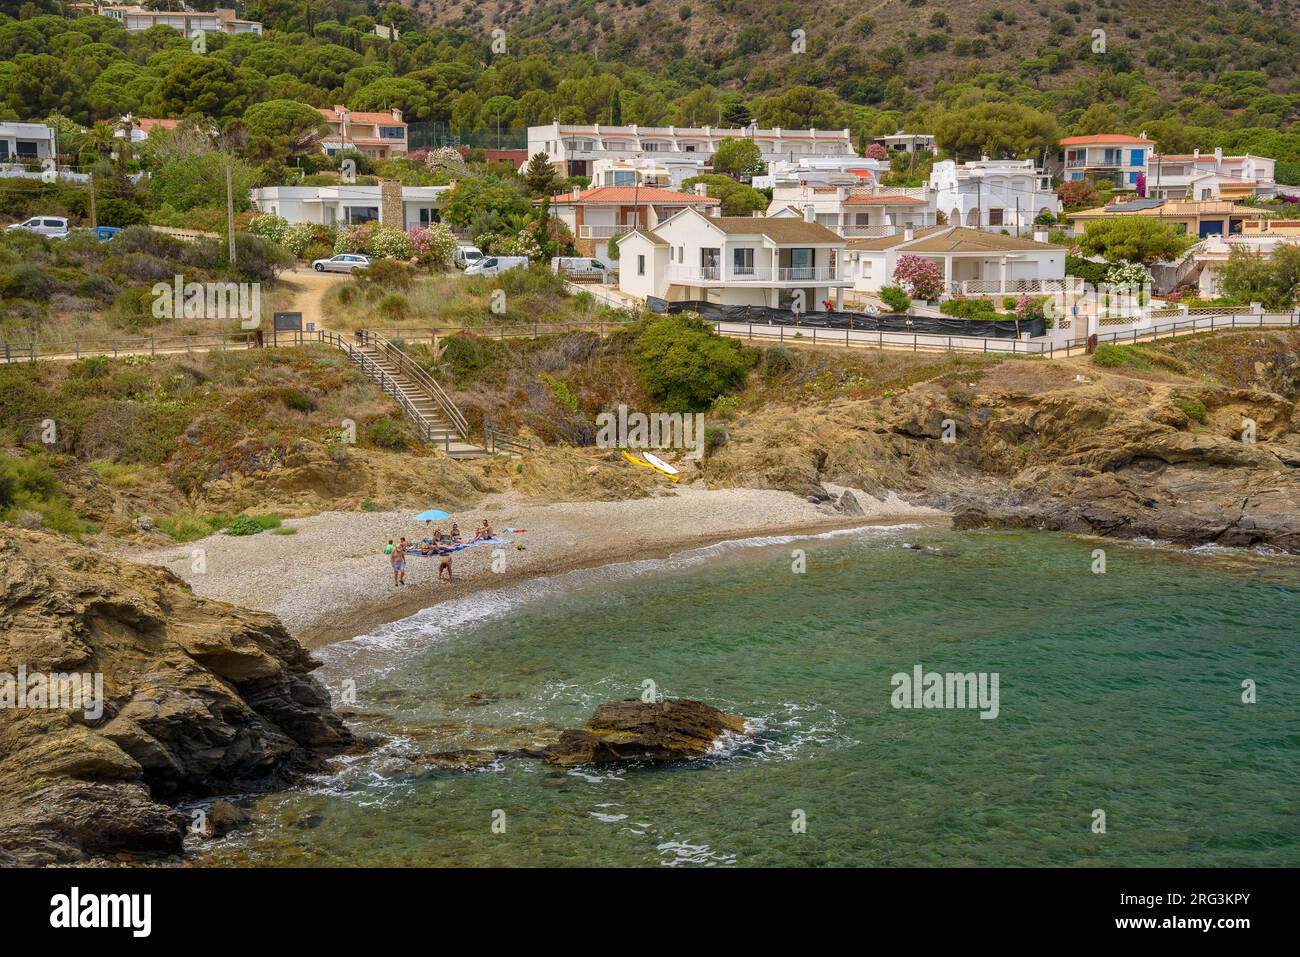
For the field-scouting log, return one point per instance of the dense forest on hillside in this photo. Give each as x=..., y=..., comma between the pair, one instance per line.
x=983, y=75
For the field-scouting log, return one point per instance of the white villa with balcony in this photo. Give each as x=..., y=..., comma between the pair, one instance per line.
x=1113, y=156
x=26, y=142
x=997, y=194
x=598, y=215
x=665, y=172
x=974, y=262
x=1205, y=176
x=185, y=21
x=854, y=211
x=378, y=135
x=573, y=148
x=734, y=261
x=823, y=171
x=352, y=204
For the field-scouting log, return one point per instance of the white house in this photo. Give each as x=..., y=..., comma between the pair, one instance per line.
x=1214, y=252
x=26, y=142
x=1201, y=176
x=1113, y=156
x=595, y=216
x=902, y=142
x=734, y=261
x=1002, y=194
x=187, y=22
x=974, y=262
x=664, y=172
x=389, y=202
x=575, y=148
x=855, y=210
x=823, y=171
x=378, y=135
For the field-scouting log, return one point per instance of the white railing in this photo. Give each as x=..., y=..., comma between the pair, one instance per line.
x=742, y=274
x=850, y=231
x=602, y=232
x=985, y=287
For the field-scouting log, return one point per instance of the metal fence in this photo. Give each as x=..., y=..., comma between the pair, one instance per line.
x=880, y=339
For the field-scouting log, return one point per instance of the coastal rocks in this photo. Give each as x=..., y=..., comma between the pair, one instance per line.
x=654, y=731
x=183, y=697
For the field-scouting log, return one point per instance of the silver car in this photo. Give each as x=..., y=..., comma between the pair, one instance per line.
x=343, y=262
x=55, y=227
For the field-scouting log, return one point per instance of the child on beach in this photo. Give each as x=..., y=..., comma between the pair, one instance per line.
x=445, y=562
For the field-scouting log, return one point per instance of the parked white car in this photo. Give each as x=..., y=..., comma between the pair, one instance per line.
x=494, y=265
x=466, y=254
x=55, y=227
x=343, y=262
x=580, y=268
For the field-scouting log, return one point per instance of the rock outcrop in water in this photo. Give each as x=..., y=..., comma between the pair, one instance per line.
x=198, y=698
x=647, y=731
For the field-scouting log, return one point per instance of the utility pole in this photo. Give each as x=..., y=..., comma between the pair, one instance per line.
x=94, y=223
x=230, y=210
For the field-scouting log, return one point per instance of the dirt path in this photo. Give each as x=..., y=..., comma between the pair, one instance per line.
x=309, y=291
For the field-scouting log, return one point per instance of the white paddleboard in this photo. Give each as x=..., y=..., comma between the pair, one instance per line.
x=659, y=463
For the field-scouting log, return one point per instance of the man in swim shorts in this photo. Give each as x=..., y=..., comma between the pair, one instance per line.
x=398, y=559
x=445, y=551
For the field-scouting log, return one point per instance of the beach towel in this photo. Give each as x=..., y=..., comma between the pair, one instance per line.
x=415, y=549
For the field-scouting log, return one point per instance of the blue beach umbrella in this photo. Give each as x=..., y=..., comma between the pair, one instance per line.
x=432, y=515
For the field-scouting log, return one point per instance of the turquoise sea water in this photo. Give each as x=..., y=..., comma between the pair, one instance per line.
x=1119, y=692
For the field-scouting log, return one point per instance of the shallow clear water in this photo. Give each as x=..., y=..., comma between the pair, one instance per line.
x=1120, y=692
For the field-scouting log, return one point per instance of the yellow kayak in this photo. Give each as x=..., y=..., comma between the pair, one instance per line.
x=637, y=460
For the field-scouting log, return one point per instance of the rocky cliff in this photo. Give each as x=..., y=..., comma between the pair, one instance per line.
x=1177, y=454
x=198, y=698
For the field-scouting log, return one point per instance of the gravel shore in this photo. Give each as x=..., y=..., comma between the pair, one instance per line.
x=331, y=580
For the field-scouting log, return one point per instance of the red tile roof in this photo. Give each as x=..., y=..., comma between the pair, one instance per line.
x=882, y=199
x=148, y=124
x=1099, y=138
x=387, y=119
x=633, y=194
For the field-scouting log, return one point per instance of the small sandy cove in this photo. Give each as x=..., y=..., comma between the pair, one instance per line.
x=331, y=579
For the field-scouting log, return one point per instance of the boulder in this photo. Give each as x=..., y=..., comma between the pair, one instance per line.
x=648, y=731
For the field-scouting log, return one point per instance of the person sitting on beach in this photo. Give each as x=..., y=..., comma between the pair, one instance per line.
x=426, y=547
x=484, y=532
x=455, y=533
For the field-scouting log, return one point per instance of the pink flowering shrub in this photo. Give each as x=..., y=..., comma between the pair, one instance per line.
x=876, y=152
x=921, y=277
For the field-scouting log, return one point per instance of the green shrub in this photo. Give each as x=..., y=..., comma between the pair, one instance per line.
x=684, y=364
x=252, y=524
x=1113, y=356
x=896, y=298
x=387, y=433
x=295, y=399
x=30, y=485
x=1193, y=409
x=970, y=309
x=467, y=356
x=394, y=306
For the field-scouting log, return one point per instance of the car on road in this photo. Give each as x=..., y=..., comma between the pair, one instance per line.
x=343, y=262
x=466, y=254
x=55, y=227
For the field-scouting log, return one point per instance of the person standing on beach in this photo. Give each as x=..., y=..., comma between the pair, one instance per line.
x=445, y=551
x=398, y=559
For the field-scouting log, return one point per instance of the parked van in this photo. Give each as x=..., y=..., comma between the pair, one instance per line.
x=495, y=265
x=580, y=268
x=466, y=254
x=55, y=227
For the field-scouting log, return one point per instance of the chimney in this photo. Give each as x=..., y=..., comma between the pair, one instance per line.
x=1218, y=154
x=577, y=192
x=1040, y=235
x=701, y=189
x=1196, y=154
x=397, y=114
x=808, y=216
x=908, y=234
x=984, y=157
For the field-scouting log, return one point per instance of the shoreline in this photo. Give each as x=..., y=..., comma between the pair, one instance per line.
x=330, y=581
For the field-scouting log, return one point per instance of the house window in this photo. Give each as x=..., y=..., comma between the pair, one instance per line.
x=26, y=148
x=681, y=254
x=640, y=265
x=689, y=148
x=4, y=149
x=622, y=178
x=742, y=262
x=391, y=132
x=429, y=216
x=995, y=217
x=355, y=215
x=650, y=147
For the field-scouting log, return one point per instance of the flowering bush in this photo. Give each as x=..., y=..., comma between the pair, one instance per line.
x=269, y=226
x=1029, y=307
x=1127, y=274
x=1078, y=194
x=446, y=157
x=354, y=239
x=525, y=244
x=1141, y=184
x=876, y=152
x=921, y=277
x=388, y=242
x=432, y=246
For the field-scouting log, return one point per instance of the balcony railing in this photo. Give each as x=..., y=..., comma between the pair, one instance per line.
x=602, y=232
x=859, y=232
x=984, y=287
x=743, y=274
